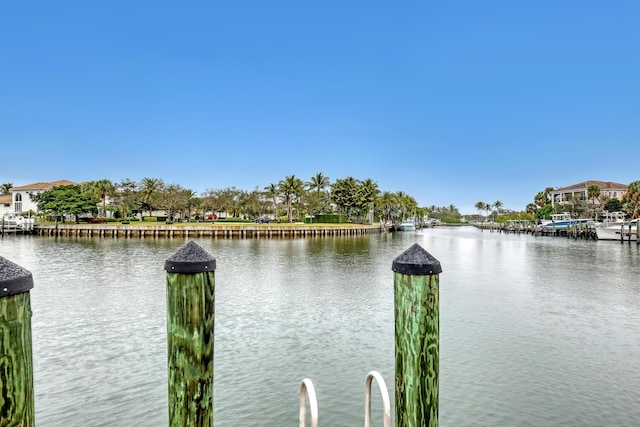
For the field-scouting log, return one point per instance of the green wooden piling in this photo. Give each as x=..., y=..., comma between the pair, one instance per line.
x=190, y=336
x=416, y=296
x=16, y=357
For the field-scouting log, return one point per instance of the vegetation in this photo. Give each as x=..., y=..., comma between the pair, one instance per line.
x=631, y=201
x=65, y=200
x=293, y=200
x=4, y=188
x=354, y=200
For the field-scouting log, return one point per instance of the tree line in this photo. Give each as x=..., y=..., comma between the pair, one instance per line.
x=594, y=204
x=290, y=199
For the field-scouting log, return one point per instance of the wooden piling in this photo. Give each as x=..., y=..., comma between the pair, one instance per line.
x=16, y=357
x=190, y=335
x=417, y=337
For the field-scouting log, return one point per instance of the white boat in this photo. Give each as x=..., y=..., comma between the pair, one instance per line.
x=407, y=226
x=615, y=227
x=16, y=221
x=561, y=221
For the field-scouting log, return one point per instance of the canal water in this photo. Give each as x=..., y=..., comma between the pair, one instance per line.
x=534, y=330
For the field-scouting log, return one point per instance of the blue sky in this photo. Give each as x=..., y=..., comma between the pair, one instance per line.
x=452, y=102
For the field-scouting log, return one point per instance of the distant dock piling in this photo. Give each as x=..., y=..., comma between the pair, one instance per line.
x=417, y=337
x=190, y=335
x=16, y=355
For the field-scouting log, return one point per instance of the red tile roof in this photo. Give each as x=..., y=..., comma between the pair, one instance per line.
x=43, y=185
x=604, y=185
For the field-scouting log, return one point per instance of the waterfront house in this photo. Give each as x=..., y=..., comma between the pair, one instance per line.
x=21, y=196
x=5, y=205
x=608, y=190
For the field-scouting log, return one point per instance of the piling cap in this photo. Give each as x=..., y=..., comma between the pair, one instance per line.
x=13, y=278
x=190, y=258
x=416, y=261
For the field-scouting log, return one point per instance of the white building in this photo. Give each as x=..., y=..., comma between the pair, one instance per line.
x=19, y=199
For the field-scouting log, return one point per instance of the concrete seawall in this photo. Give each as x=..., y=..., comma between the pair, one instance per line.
x=223, y=231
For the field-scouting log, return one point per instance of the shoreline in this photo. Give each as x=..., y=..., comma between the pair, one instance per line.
x=226, y=231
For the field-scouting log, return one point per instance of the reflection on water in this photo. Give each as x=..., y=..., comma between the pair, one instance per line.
x=534, y=330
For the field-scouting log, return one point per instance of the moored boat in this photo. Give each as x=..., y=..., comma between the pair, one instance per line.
x=617, y=230
x=407, y=226
x=561, y=222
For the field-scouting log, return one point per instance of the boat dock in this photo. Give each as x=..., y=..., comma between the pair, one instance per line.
x=577, y=231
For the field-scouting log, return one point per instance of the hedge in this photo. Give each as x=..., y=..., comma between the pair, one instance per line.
x=326, y=219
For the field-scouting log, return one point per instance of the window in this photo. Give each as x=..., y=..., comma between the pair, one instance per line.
x=18, y=203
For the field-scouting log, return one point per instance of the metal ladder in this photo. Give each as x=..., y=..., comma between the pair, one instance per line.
x=307, y=390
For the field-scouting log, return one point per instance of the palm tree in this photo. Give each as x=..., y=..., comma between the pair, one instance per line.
x=369, y=191
x=386, y=204
x=593, y=192
x=101, y=189
x=318, y=182
x=531, y=208
x=273, y=192
x=498, y=205
x=487, y=209
x=192, y=200
x=149, y=189
x=5, y=188
x=290, y=187
x=480, y=206
x=633, y=199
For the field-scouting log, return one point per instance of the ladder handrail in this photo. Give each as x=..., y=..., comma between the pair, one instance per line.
x=386, y=404
x=307, y=389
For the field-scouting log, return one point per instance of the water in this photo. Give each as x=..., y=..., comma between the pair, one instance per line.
x=534, y=330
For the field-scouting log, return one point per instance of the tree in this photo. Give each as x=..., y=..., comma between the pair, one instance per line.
x=192, y=201
x=318, y=182
x=344, y=193
x=102, y=189
x=543, y=197
x=272, y=192
x=65, y=200
x=5, y=188
x=386, y=202
x=593, y=192
x=613, y=205
x=149, y=190
x=480, y=206
x=125, y=197
x=290, y=187
x=368, y=192
x=631, y=200
x=317, y=197
x=498, y=205
x=174, y=199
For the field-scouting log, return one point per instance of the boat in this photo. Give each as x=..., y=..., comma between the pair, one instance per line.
x=616, y=227
x=561, y=221
x=16, y=221
x=407, y=226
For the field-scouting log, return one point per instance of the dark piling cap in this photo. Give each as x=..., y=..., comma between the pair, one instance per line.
x=190, y=258
x=13, y=278
x=416, y=261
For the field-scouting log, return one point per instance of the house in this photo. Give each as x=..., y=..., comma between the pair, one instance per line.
x=20, y=197
x=608, y=190
x=5, y=205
